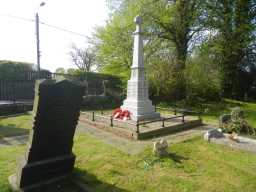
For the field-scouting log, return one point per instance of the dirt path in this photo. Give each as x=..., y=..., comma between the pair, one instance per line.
x=128, y=146
x=133, y=146
x=244, y=143
x=17, y=140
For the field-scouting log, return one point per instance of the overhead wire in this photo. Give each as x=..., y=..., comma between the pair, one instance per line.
x=46, y=24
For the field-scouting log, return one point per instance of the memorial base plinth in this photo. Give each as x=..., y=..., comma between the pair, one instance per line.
x=148, y=116
x=140, y=111
x=33, y=175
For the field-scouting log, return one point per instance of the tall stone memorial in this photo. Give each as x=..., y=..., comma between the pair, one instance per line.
x=49, y=151
x=137, y=101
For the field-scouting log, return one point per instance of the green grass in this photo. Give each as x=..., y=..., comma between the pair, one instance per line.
x=15, y=125
x=8, y=164
x=194, y=165
x=211, y=111
x=214, y=110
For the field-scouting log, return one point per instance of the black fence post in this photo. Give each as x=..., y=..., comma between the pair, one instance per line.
x=199, y=117
x=111, y=121
x=13, y=92
x=163, y=123
x=183, y=118
x=137, y=127
x=93, y=116
x=101, y=110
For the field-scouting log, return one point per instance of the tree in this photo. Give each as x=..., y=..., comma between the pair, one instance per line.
x=12, y=70
x=113, y=44
x=222, y=30
x=60, y=70
x=174, y=24
x=177, y=21
x=84, y=59
x=71, y=71
x=234, y=22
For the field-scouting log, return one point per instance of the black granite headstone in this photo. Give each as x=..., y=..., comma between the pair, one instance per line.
x=49, y=152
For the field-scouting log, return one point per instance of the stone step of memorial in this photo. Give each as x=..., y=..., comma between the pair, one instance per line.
x=129, y=129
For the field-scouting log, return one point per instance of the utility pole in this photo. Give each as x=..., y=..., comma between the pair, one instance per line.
x=37, y=46
x=38, y=41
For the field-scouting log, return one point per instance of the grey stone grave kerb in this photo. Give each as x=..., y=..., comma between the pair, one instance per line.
x=49, y=152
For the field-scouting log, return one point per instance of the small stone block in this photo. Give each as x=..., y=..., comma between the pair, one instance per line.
x=214, y=133
x=160, y=148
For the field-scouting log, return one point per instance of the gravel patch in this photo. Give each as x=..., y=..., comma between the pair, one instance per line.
x=17, y=140
x=244, y=143
x=133, y=147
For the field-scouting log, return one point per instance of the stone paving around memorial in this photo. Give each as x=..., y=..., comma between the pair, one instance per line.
x=246, y=144
x=125, y=145
x=17, y=140
x=135, y=147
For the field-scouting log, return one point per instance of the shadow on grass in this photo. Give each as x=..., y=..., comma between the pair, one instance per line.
x=176, y=158
x=211, y=109
x=12, y=130
x=90, y=182
x=149, y=162
x=64, y=185
x=79, y=181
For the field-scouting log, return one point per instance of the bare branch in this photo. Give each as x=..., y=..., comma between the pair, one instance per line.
x=83, y=59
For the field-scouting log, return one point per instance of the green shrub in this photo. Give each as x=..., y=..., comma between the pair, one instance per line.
x=100, y=102
x=237, y=113
x=238, y=123
x=202, y=81
x=11, y=70
x=95, y=81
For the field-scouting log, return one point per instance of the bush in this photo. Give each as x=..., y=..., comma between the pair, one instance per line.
x=238, y=124
x=100, y=102
x=202, y=81
x=10, y=70
x=162, y=79
x=95, y=81
x=237, y=113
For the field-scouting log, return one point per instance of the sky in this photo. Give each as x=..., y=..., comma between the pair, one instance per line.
x=17, y=36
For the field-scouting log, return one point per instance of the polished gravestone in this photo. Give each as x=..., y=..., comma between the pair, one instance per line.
x=49, y=154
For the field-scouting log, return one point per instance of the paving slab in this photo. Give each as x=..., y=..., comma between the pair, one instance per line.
x=244, y=143
x=16, y=140
x=137, y=146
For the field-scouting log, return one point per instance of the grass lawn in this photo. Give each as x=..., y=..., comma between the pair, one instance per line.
x=8, y=163
x=193, y=165
x=15, y=125
x=212, y=110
